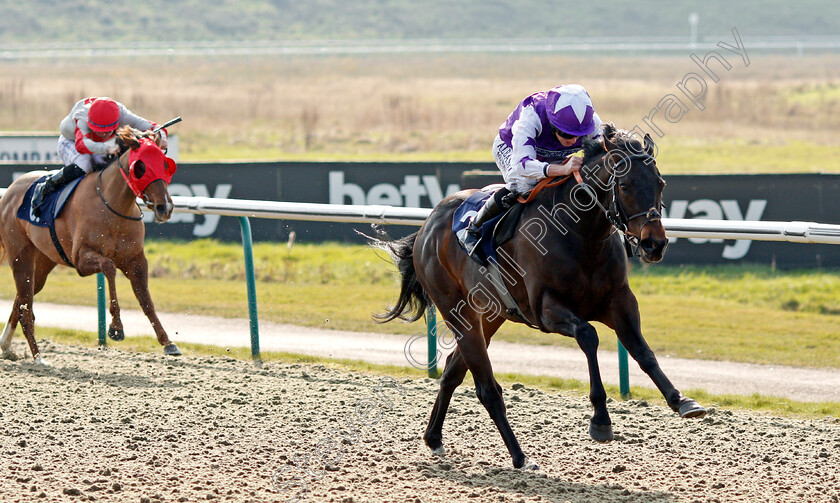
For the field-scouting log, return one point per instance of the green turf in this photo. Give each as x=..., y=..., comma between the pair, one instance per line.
x=739, y=313
x=700, y=156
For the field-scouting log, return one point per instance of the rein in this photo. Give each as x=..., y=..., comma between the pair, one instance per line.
x=548, y=182
x=101, y=197
x=616, y=214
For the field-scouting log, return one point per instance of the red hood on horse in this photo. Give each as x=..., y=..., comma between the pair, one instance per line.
x=99, y=230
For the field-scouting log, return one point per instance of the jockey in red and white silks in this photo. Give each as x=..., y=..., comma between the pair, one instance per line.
x=87, y=136
x=86, y=133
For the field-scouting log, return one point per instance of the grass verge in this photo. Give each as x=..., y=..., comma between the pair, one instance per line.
x=740, y=313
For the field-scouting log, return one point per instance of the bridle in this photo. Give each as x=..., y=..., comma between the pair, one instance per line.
x=101, y=197
x=615, y=212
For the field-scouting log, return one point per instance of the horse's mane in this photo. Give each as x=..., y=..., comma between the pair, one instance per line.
x=623, y=139
x=129, y=138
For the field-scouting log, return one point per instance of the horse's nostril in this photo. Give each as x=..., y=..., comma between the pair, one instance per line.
x=161, y=208
x=653, y=246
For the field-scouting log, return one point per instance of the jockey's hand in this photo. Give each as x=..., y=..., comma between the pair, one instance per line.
x=111, y=146
x=569, y=166
x=162, y=140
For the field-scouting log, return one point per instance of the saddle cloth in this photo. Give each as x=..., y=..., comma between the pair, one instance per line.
x=53, y=204
x=494, y=232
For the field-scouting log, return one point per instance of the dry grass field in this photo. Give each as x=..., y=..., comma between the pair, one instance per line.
x=778, y=114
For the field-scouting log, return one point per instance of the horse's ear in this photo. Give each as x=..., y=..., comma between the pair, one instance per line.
x=649, y=145
x=608, y=145
x=608, y=130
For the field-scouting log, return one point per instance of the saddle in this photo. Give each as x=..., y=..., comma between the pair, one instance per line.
x=53, y=204
x=50, y=210
x=494, y=232
x=498, y=230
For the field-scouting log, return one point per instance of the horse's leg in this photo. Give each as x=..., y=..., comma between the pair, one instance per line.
x=23, y=271
x=9, y=331
x=473, y=349
x=91, y=262
x=43, y=266
x=137, y=273
x=453, y=376
x=556, y=318
x=626, y=322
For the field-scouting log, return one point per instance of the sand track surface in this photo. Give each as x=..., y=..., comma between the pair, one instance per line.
x=127, y=427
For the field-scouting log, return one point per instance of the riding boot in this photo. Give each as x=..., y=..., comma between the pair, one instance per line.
x=53, y=183
x=492, y=208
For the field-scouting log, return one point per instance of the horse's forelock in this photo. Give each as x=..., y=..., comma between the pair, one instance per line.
x=624, y=139
x=128, y=137
x=621, y=138
x=592, y=148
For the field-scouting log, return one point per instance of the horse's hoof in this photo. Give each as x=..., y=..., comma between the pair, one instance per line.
x=530, y=465
x=601, y=432
x=690, y=408
x=439, y=451
x=40, y=361
x=116, y=334
x=172, y=350
x=11, y=356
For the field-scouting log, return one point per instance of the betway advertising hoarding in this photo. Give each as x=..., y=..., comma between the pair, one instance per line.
x=807, y=197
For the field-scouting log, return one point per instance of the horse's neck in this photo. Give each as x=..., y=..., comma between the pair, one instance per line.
x=114, y=188
x=577, y=214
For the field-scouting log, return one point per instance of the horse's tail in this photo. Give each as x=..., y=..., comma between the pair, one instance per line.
x=413, y=300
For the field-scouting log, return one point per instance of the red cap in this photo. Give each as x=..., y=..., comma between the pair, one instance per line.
x=103, y=115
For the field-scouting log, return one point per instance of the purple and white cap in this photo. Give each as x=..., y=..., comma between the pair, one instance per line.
x=570, y=110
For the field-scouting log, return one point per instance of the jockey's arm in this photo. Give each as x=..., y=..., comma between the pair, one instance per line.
x=85, y=145
x=567, y=167
x=523, y=156
x=130, y=118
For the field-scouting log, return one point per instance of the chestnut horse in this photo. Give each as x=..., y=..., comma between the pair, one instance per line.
x=99, y=229
x=565, y=266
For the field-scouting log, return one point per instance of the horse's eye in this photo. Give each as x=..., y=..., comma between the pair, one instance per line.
x=623, y=186
x=139, y=169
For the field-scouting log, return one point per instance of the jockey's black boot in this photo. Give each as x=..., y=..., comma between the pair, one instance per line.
x=53, y=183
x=492, y=208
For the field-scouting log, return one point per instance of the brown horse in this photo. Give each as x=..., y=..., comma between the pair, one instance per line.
x=100, y=230
x=564, y=267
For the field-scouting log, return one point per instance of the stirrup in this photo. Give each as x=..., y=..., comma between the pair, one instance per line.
x=470, y=238
x=38, y=198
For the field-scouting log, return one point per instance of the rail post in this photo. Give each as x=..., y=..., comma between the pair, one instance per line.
x=623, y=372
x=431, y=338
x=248, y=250
x=100, y=304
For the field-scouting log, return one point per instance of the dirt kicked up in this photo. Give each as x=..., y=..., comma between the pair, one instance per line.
x=125, y=427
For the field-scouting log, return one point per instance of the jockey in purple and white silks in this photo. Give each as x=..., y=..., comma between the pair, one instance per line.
x=537, y=141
